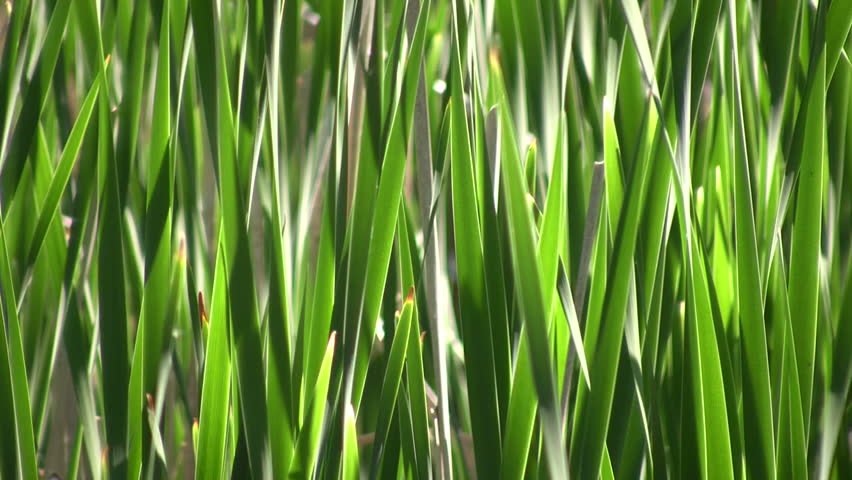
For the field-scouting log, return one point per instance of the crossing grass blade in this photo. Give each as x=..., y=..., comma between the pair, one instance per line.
x=15, y=143
x=473, y=299
x=63, y=171
x=531, y=300
x=415, y=379
x=588, y=437
x=790, y=433
x=756, y=398
x=307, y=444
x=279, y=392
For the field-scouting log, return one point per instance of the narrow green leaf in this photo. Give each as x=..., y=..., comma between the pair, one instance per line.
x=13, y=157
x=307, y=445
x=393, y=377
x=63, y=172
x=807, y=233
x=531, y=299
x=590, y=429
x=351, y=464
x=216, y=389
x=26, y=447
x=757, y=404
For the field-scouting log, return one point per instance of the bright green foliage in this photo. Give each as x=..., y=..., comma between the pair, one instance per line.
x=425, y=239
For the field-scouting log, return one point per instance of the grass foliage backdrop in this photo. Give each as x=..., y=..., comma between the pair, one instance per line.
x=425, y=239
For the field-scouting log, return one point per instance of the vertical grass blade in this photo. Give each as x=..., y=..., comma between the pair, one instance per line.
x=804, y=280
x=757, y=404
x=13, y=350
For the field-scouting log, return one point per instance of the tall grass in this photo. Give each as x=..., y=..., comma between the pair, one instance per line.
x=426, y=239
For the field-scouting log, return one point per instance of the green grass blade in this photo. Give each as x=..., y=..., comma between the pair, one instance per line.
x=382, y=232
x=63, y=172
x=112, y=313
x=13, y=156
x=838, y=389
x=26, y=448
x=531, y=299
x=804, y=257
x=473, y=301
x=838, y=25
x=415, y=380
x=390, y=384
x=351, y=464
x=791, y=460
x=216, y=389
x=307, y=445
x=757, y=405
x=589, y=435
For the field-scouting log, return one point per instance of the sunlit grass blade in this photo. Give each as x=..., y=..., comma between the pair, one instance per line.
x=415, y=380
x=576, y=347
x=473, y=299
x=757, y=404
x=216, y=387
x=307, y=444
x=351, y=464
x=278, y=361
x=791, y=459
x=589, y=434
x=531, y=300
x=805, y=251
x=216, y=210
x=837, y=394
x=393, y=377
x=155, y=319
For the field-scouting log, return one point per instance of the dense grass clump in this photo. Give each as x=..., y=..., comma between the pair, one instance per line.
x=426, y=239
